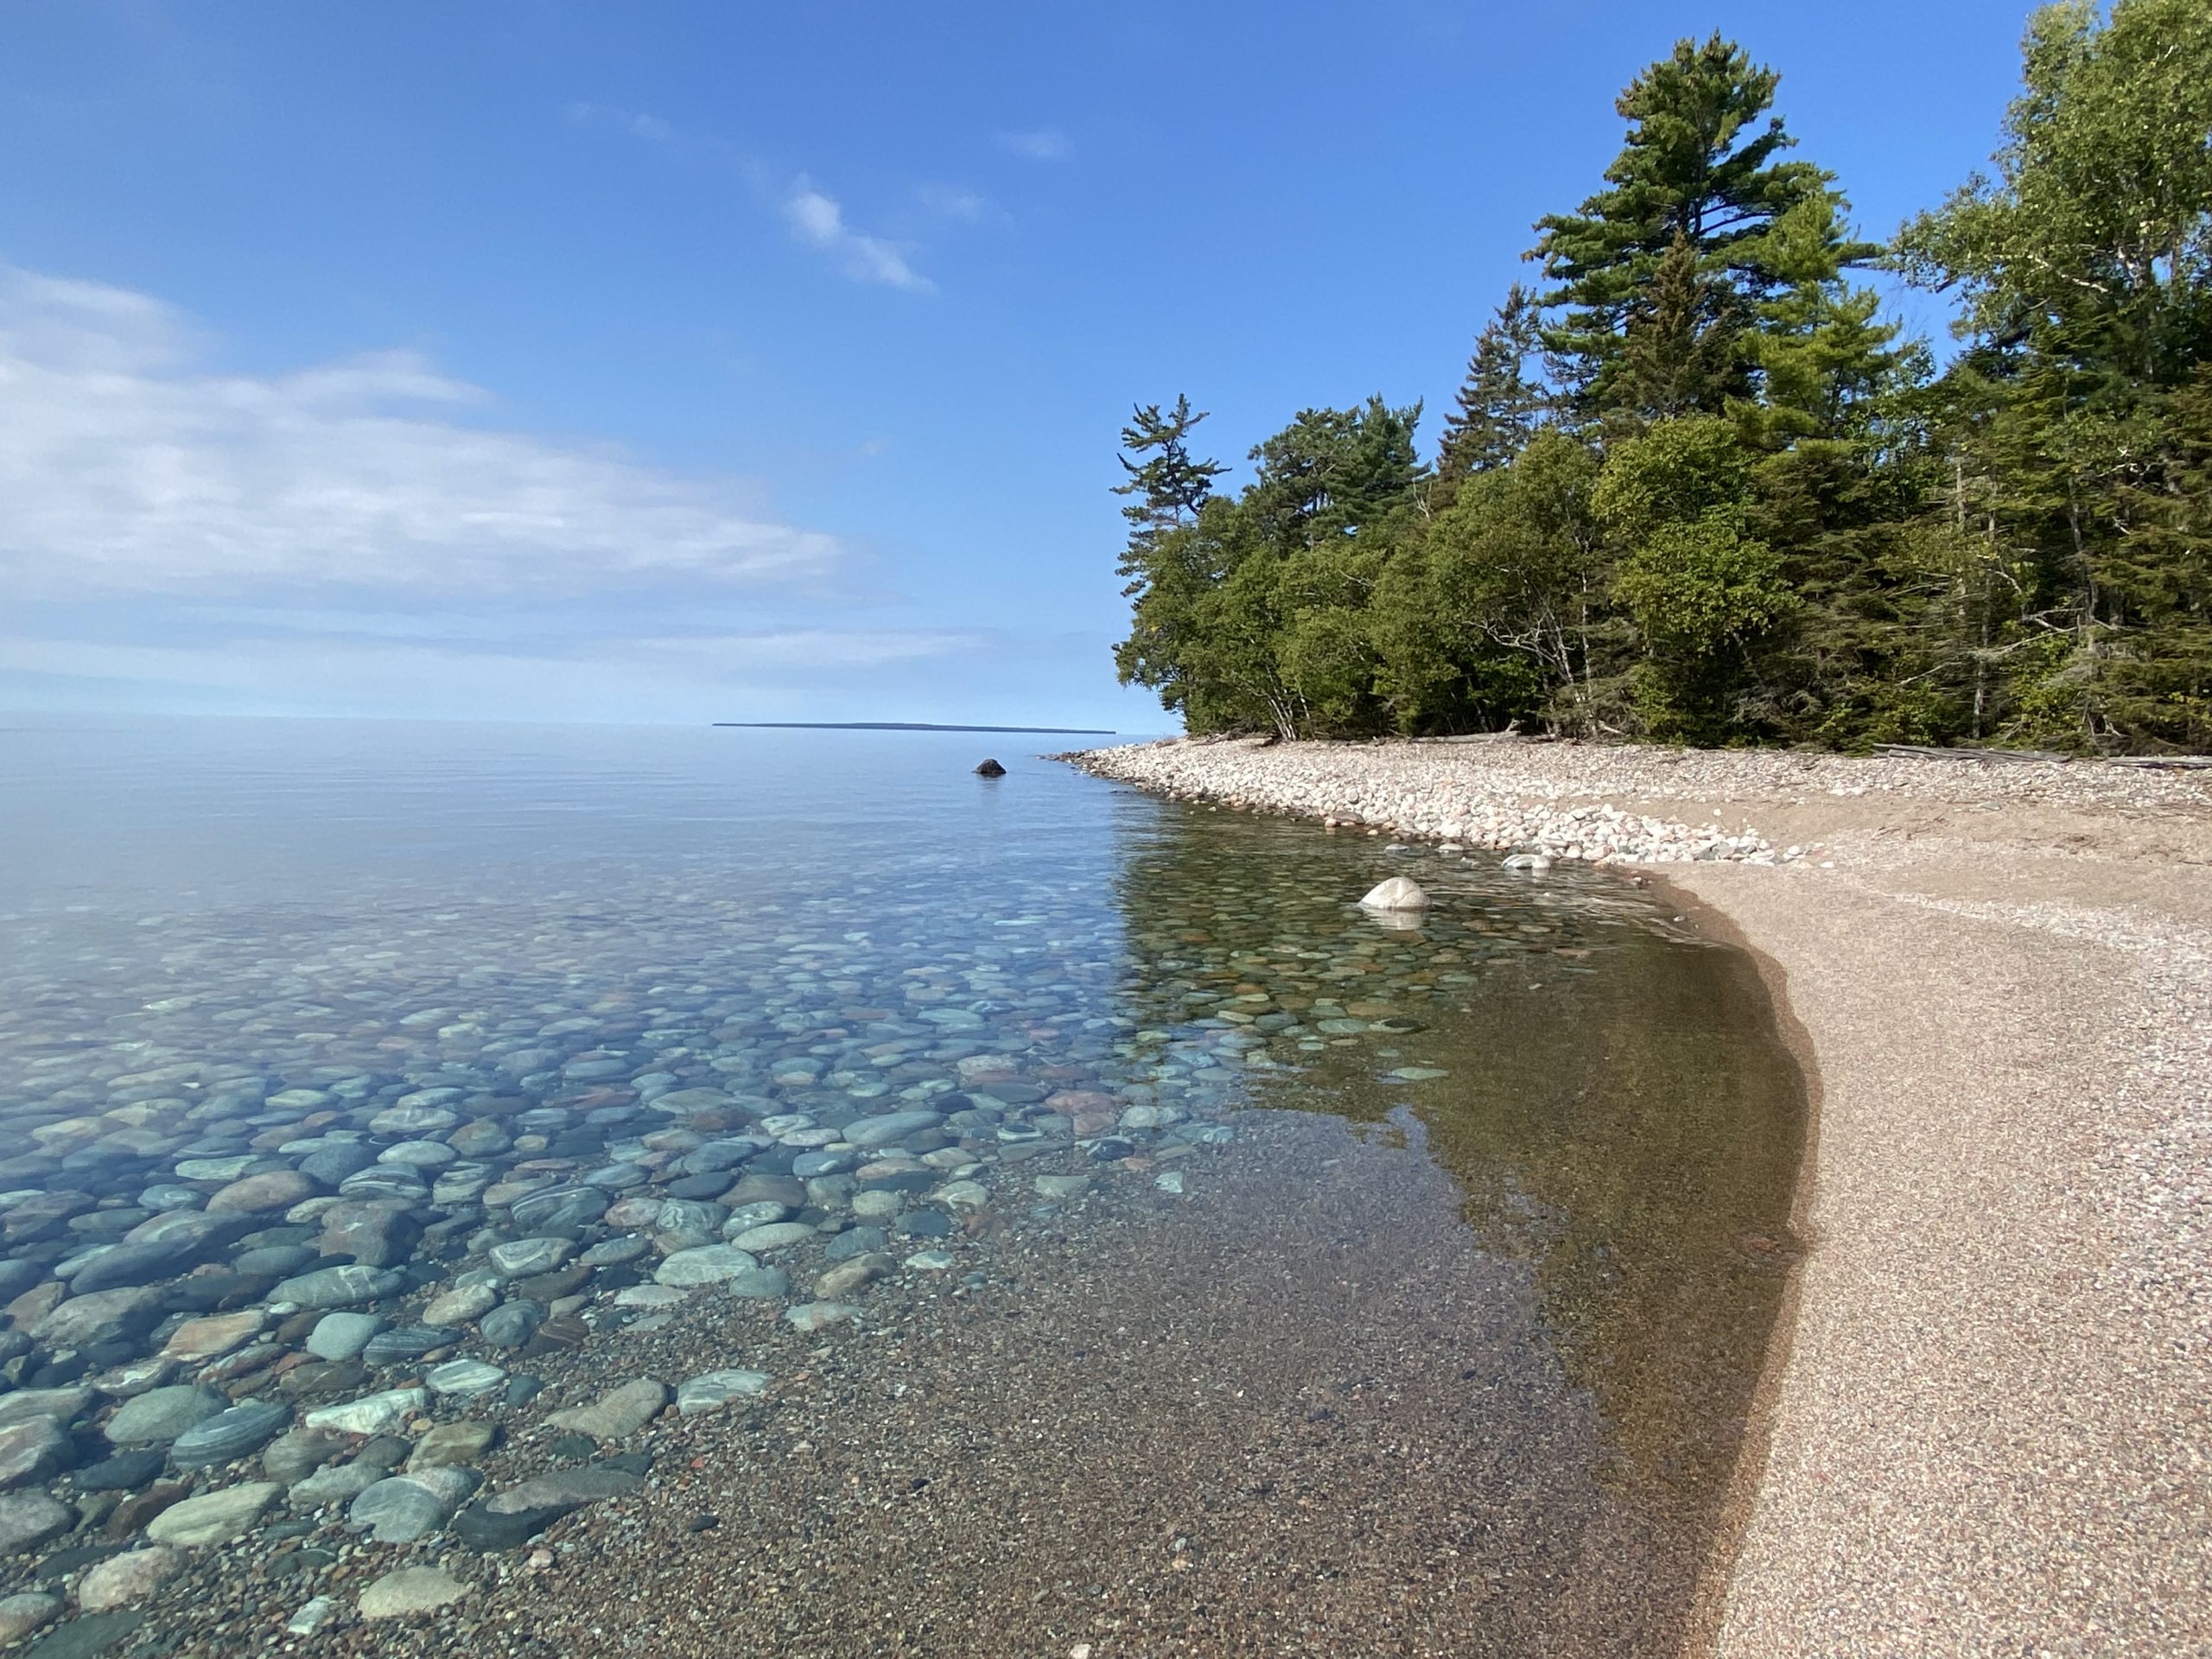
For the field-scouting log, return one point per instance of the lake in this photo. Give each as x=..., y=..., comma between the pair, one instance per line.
x=1066, y=1223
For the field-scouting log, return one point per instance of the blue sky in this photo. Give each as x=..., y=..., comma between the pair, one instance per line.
x=683, y=362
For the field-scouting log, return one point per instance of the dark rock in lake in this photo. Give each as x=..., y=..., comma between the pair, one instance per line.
x=126, y=1265
x=855, y=1241
x=230, y=1434
x=120, y=1315
x=329, y=1376
x=562, y=1335
x=346, y=1286
x=761, y=1187
x=275, y=1260
x=29, y=1519
x=511, y=1323
x=202, y=1236
x=700, y=1187
x=376, y=1235
x=332, y=1165
x=159, y=1415
x=516, y=1516
x=18, y=1276
x=45, y=1373
x=902, y=1180
x=552, y=1286
x=65, y=1561
x=990, y=769
x=716, y=1156
x=123, y=1472
x=88, y=1635
x=405, y=1342
x=205, y=1293
x=559, y=1211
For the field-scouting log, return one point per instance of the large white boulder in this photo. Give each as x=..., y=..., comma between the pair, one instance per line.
x=1399, y=892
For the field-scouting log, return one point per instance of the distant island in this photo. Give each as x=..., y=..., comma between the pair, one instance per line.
x=909, y=726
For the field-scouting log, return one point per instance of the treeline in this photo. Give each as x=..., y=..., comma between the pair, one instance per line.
x=1697, y=487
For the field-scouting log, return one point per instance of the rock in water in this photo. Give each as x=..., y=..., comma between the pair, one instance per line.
x=715, y=1389
x=244, y=1428
x=216, y=1517
x=1399, y=892
x=34, y=1451
x=410, y=1590
x=618, y=1413
x=22, y=1613
x=403, y=1508
x=131, y=1577
x=29, y=1519
x=159, y=1415
x=990, y=769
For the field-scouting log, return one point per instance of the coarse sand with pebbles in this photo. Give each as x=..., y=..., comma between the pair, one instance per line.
x=1988, y=1428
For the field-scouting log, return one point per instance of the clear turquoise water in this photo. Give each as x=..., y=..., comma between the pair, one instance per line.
x=569, y=958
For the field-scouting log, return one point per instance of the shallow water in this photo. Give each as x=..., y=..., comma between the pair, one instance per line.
x=275, y=996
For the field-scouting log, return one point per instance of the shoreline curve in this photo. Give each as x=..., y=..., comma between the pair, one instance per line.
x=1982, y=1427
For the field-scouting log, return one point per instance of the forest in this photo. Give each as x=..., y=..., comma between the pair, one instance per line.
x=1696, y=487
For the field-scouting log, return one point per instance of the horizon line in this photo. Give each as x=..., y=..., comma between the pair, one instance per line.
x=912, y=726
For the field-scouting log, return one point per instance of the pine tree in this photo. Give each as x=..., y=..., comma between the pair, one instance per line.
x=1169, y=486
x=1683, y=349
x=1499, y=407
x=1687, y=172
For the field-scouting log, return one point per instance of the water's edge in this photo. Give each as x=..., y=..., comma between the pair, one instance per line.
x=1712, y=918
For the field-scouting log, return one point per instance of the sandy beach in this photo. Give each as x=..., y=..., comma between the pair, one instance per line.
x=1986, y=1430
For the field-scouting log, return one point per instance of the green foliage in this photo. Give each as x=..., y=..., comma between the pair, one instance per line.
x=1696, y=191
x=1169, y=486
x=1499, y=406
x=1735, y=506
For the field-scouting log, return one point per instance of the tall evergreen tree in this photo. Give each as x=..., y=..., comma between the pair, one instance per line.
x=1500, y=405
x=1169, y=484
x=1693, y=169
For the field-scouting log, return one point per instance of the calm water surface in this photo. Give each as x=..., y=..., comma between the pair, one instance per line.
x=564, y=1019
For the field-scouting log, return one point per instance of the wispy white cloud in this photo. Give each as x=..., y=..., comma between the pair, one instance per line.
x=637, y=123
x=960, y=207
x=818, y=221
x=1037, y=144
x=126, y=467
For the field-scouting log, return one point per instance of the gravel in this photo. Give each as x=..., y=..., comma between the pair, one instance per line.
x=1599, y=802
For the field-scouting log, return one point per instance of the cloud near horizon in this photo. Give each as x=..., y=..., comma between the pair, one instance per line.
x=125, y=469
x=359, y=536
x=677, y=677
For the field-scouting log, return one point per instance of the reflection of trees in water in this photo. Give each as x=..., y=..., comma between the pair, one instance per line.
x=1632, y=1125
